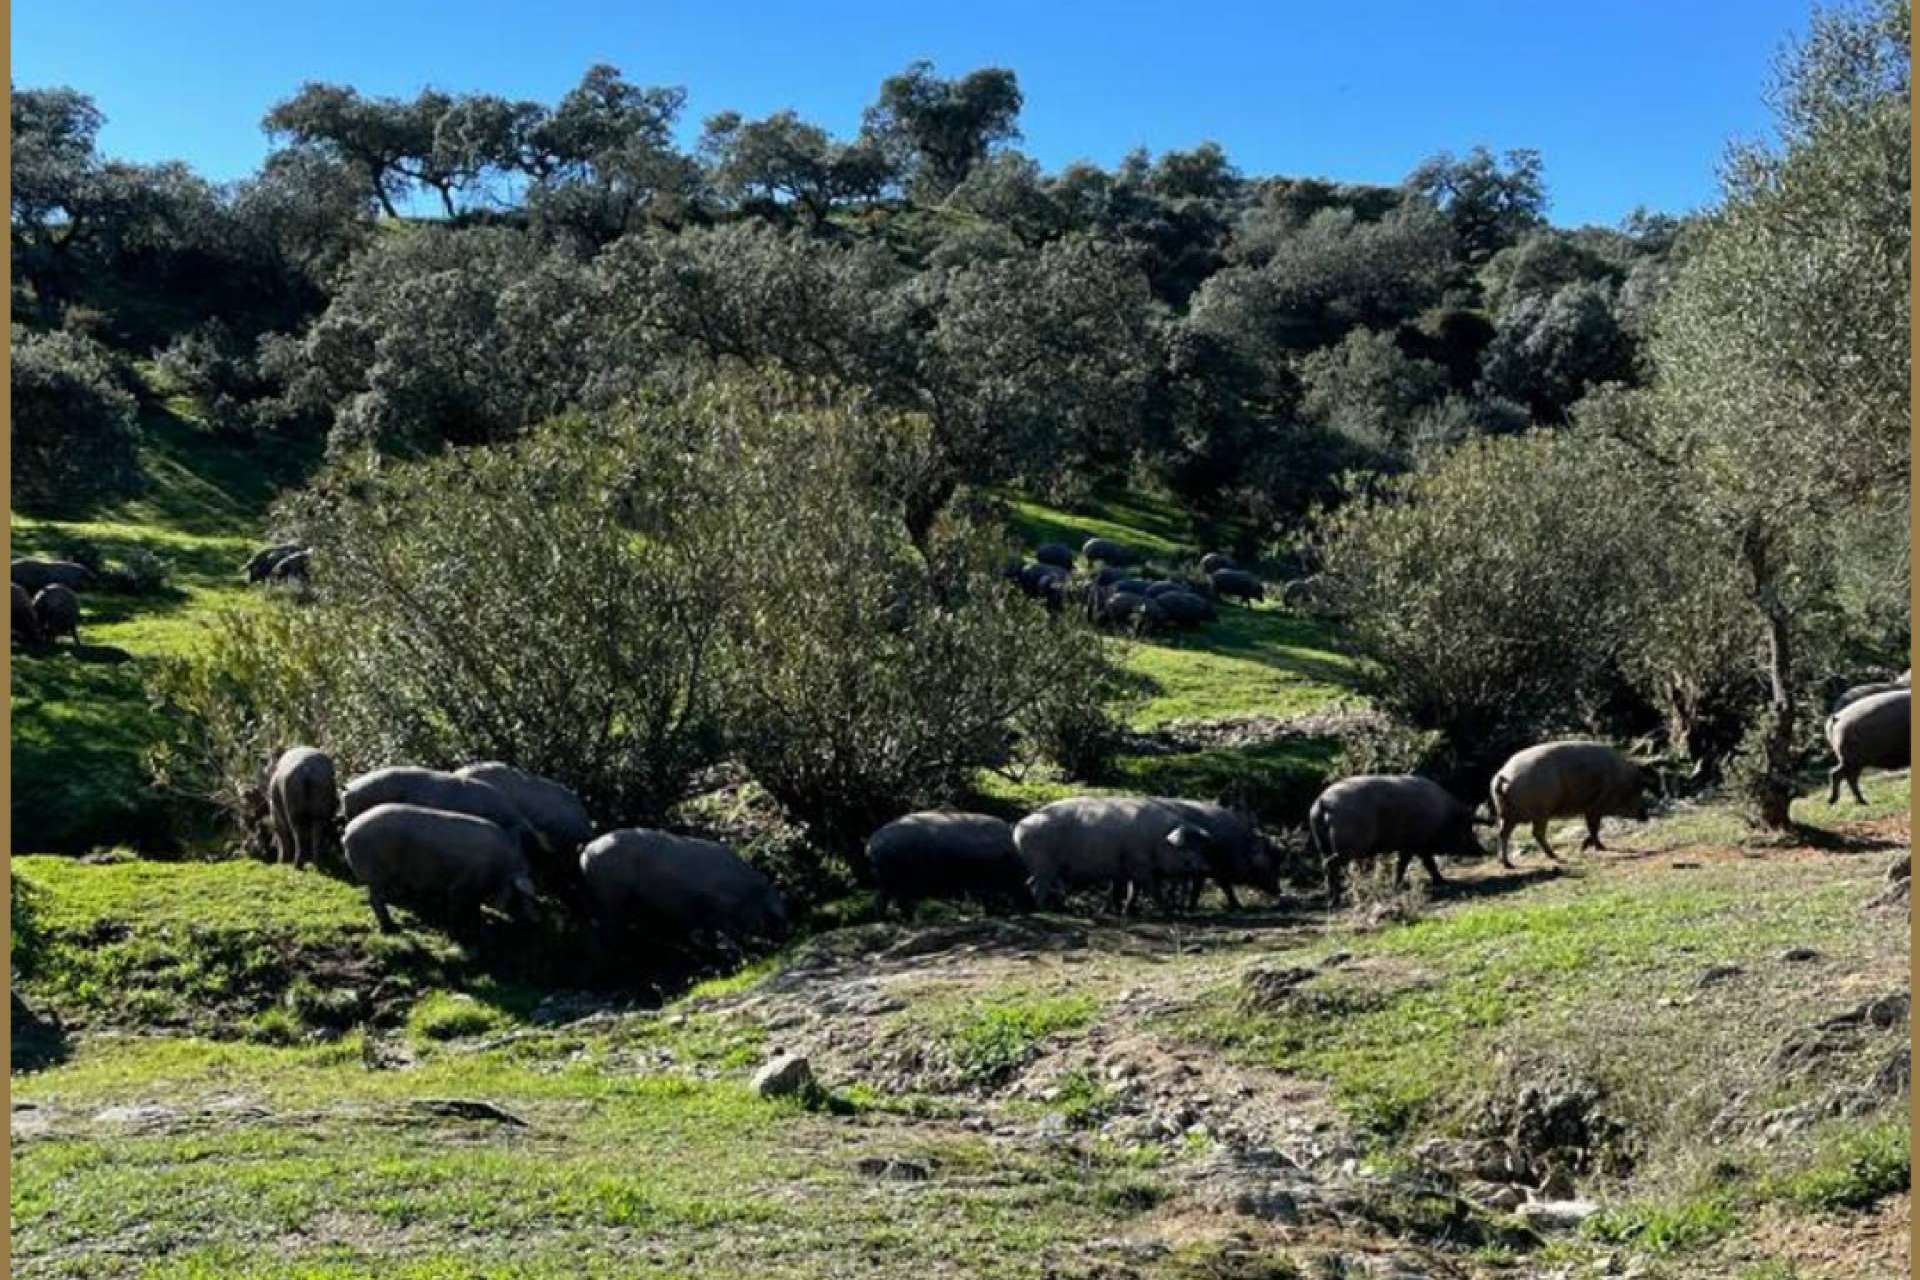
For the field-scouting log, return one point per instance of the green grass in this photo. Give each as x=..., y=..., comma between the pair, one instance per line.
x=1257, y=661
x=452, y=1015
x=989, y=1038
x=1155, y=527
x=1666, y=1229
x=233, y=948
x=1404, y=1033
x=1855, y=1167
x=620, y=1168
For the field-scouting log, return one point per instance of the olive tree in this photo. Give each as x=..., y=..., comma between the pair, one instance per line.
x=1781, y=351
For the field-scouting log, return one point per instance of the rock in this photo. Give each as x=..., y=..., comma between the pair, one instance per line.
x=1557, y=1215
x=784, y=1077
x=1272, y=988
x=138, y=1114
x=465, y=1109
x=1794, y=955
x=1557, y=1185
x=889, y=1169
x=1269, y=1203
x=1504, y=1197
x=1717, y=973
x=1052, y=1125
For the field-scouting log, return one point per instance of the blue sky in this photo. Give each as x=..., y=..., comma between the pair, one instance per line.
x=1629, y=103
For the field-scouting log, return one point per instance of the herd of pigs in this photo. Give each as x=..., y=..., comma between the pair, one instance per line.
x=1116, y=592
x=484, y=834
x=457, y=842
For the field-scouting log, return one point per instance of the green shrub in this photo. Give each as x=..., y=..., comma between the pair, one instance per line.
x=873, y=675
x=213, y=366
x=73, y=424
x=138, y=573
x=1556, y=625
x=1855, y=1172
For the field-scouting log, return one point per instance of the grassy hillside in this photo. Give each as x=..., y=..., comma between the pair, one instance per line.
x=81, y=720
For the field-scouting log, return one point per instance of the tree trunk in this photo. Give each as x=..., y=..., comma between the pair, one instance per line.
x=1776, y=798
x=1774, y=786
x=923, y=508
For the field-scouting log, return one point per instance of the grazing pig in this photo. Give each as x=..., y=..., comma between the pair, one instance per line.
x=1303, y=593
x=260, y=566
x=1134, y=586
x=1037, y=580
x=1125, y=843
x=1184, y=608
x=1154, y=590
x=432, y=789
x=1564, y=780
x=551, y=809
x=946, y=855
x=1859, y=691
x=1057, y=554
x=677, y=886
x=297, y=567
x=301, y=798
x=35, y=575
x=1870, y=734
x=1237, y=584
x=1214, y=561
x=1233, y=848
x=26, y=627
x=57, y=610
x=425, y=857
x=1108, y=576
x=1106, y=551
x=1125, y=608
x=1388, y=813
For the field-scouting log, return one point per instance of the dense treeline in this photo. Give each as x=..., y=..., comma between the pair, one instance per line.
x=1239, y=340
x=1645, y=479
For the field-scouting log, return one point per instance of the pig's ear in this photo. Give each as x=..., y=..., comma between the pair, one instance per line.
x=1188, y=837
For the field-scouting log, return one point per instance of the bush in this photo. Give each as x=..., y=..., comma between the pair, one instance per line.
x=1498, y=641
x=1387, y=746
x=1078, y=734
x=73, y=424
x=559, y=603
x=138, y=573
x=216, y=369
x=263, y=680
x=873, y=679
x=620, y=605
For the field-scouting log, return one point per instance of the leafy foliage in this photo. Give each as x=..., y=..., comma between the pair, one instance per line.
x=73, y=423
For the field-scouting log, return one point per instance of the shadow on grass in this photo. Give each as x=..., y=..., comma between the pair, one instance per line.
x=37, y=1042
x=1499, y=885
x=1841, y=841
x=1267, y=636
